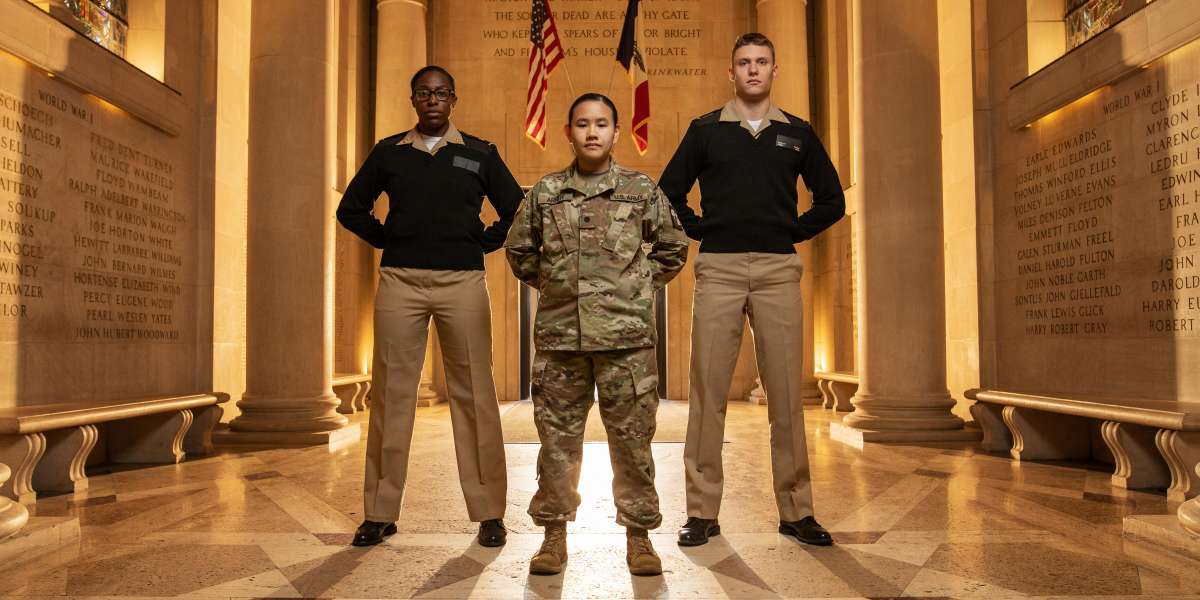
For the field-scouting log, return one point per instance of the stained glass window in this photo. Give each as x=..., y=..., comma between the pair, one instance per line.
x=1086, y=18
x=104, y=21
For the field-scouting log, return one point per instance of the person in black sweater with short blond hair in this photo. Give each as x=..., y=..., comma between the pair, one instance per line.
x=433, y=245
x=748, y=182
x=747, y=157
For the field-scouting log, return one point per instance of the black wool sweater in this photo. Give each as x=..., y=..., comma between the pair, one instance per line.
x=433, y=203
x=748, y=185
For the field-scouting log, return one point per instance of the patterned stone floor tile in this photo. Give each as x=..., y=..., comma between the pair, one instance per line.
x=1037, y=569
x=892, y=505
x=913, y=553
x=934, y=583
x=952, y=507
x=284, y=549
x=157, y=571
x=931, y=521
x=305, y=507
x=859, y=537
x=268, y=584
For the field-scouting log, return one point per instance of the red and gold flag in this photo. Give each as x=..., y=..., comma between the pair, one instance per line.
x=629, y=54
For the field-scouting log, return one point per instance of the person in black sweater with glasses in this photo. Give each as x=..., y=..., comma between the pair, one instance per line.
x=748, y=156
x=433, y=244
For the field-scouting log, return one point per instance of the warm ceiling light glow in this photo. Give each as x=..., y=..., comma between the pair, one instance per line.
x=1051, y=116
x=148, y=57
x=109, y=105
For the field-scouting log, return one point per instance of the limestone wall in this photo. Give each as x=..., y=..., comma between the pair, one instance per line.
x=686, y=48
x=956, y=45
x=1097, y=282
x=833, y=252
x=355, y=263
x=100, y=290
x=123, y=208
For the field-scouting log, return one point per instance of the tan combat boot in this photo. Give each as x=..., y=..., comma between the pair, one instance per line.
x=551, y=557
x=640, y=554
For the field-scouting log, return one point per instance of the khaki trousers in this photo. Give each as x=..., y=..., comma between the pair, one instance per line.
x=457, y=301
x=766, y=288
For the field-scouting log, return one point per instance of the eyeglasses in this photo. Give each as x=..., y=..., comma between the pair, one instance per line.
x=441, y=94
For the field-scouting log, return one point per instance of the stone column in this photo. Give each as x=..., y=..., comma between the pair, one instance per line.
x=400, y=51
x=786, y=23
x=902, y=393
x=289, y=396
x=13, y=516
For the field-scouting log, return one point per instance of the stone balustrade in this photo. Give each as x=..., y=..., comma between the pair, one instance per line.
x=353, y=389
x=1152, y=444
x=48, y=445
x=837, y=389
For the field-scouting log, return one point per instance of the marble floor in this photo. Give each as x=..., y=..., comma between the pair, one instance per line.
x=930, y=521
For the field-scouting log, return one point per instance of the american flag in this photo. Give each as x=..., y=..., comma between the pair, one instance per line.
x=544, y=54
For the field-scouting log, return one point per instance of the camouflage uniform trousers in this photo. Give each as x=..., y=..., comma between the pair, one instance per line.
x=563, y=383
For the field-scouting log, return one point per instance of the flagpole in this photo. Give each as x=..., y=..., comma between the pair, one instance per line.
x=563, y=61
x=571, y=85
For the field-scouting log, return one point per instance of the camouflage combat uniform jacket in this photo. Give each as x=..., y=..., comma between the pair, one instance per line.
x=596, y=251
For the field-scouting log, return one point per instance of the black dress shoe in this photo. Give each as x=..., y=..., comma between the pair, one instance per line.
x=492, y=533
x=806, y=530
x=372, y=532
x=697, y=531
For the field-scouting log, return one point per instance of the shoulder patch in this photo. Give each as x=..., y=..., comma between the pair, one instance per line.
x=708, y=118
x=644, y=183
x=553, y=181
x=633, y=175
x=392, y=139
x=794, y=120
x=477, y=144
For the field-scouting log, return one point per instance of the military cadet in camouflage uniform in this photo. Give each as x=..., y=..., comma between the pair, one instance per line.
x=596, y=240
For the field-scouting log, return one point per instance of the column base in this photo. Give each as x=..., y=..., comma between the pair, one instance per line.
x=758, y=395
x=40, y=535
x=427, y=396
x=856, y=437
x=810, y=394
x=1162, y=532
x=335, y=440
x=13, y=516
x=288, y=414
x=902, y=413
